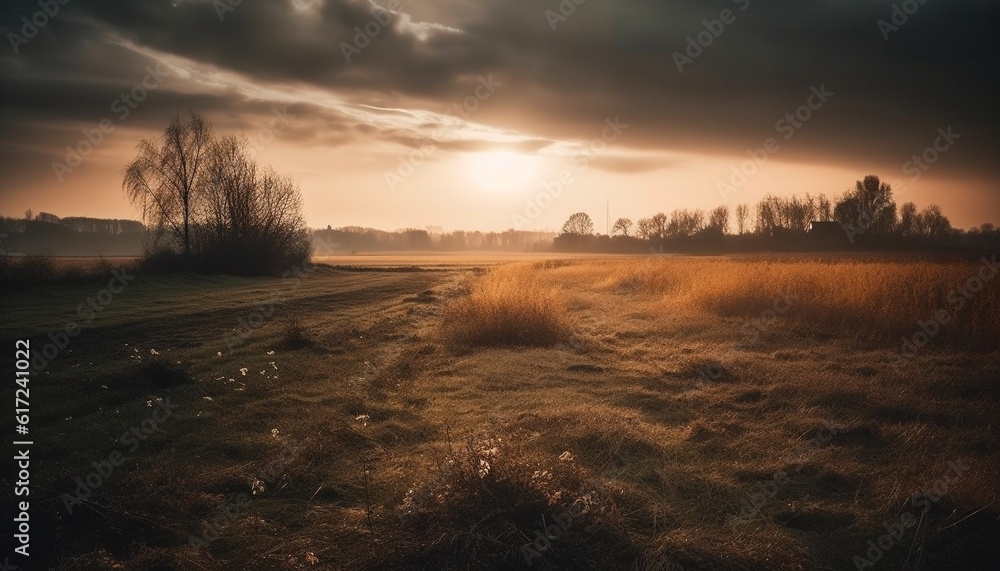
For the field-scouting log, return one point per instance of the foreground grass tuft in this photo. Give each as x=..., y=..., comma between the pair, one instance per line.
x=295, y=336
x=508, y=307
x=495, y=503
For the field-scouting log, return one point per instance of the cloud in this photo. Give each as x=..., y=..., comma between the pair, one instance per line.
x=606, y=59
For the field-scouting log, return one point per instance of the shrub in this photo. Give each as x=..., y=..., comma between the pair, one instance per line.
x=295, y=336
x=159, y=260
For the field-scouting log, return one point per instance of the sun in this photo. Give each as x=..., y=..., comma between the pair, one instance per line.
x=501, y=170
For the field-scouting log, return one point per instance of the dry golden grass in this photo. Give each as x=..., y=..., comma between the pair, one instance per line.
x=506, y=307
x=877, y=299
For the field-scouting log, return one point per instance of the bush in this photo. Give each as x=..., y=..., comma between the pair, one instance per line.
x=295, y=336
x=159, y=260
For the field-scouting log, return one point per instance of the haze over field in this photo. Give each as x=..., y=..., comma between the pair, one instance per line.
x=495, y=99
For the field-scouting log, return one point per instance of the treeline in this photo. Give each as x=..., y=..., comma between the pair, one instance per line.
x=46, y=233
x=865, y=217
x=356, y=239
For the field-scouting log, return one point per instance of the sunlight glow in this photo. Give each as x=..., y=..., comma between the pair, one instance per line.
x=501, y=171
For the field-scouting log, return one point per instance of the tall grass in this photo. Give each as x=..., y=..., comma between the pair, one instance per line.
x=877, y=299
x=508, y=306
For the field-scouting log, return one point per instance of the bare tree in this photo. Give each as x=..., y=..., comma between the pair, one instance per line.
x=28, y=215
x=874, y=204
x=165, y=179
x=579, y=224
x=908, y=219
x=719, y=218
x=776, y=213
x=47, y=217
x=742, y=218
x=684, y=222
x=622, y=226
x=934, y=223
x=250, y=217
x=645, y=229
x=824, y=209
x=660, y=225
x=848, y=212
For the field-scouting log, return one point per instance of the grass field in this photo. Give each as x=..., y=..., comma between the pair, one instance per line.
x=575, y=413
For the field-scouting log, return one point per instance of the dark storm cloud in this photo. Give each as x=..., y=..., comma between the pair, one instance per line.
x=606, y=59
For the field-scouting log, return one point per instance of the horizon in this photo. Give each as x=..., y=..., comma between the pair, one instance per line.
x=393, y=115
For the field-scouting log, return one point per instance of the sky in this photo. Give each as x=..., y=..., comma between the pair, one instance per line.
x=497, y=114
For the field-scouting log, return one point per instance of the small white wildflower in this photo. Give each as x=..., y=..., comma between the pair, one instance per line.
x=363, y=419
x=105, y=387
x=243, y=370
x=270, y=352
x=257, y=487
x=154, y=352
x=273, y=365
x=209, y=399
x=274, y=432
x=219, y=354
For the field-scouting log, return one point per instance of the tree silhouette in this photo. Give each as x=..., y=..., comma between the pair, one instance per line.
x=579, y=224
x=622, y=226
x=742, y=218
x=644, y=228
x=684, y=222
x=165, y=178
x=719, y=218
x=659, y=221
x=934, y=223
x=824, y=209
x=869, y=207
x=907, y=219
